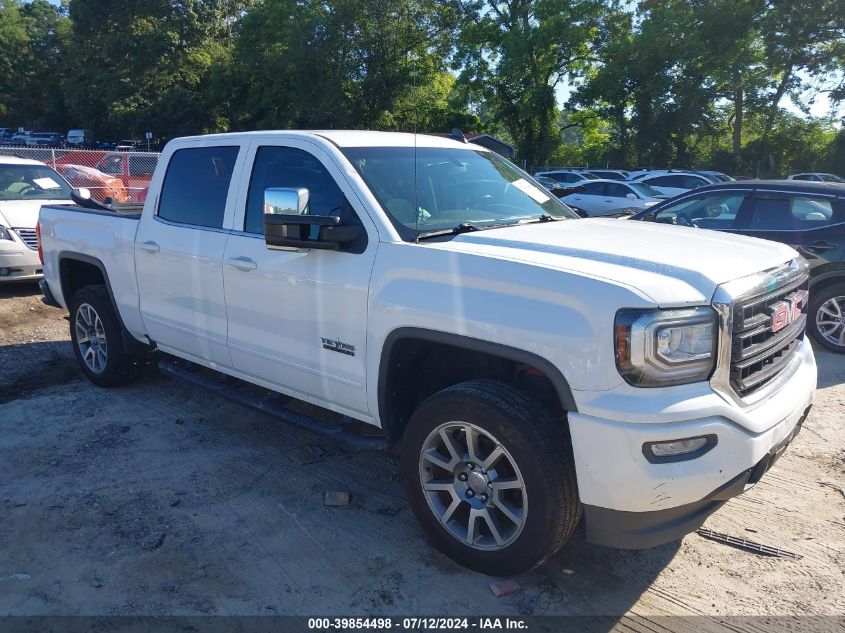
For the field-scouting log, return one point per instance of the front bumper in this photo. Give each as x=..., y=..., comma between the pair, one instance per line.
x=18, y=262
x=631, y=502
x=637, y=530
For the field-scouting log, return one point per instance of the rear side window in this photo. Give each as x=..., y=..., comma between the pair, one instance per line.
x=785, y=213
x=196, y=185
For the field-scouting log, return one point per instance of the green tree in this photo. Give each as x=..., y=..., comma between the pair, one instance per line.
x=33, y=37
x=516, y=52
x=342, y=63
x=141, y=65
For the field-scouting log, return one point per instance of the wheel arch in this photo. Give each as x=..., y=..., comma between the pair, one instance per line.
x=394, y=353
x=77, y=270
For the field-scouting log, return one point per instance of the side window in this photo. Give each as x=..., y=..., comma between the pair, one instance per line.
x=593, y=189
x=691, y=182
x=111, y=164
x=295, y=168
x=196, y=185
x=616, y=191
x=142, y=165
x=716, y=211
x=666, y=181
x=790, y=213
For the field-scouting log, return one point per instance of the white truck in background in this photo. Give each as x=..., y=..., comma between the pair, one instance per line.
x=535, y=367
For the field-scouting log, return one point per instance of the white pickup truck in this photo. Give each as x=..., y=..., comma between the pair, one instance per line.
x=533, y=366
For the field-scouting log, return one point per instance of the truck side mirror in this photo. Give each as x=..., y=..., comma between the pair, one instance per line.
x=287, y=223
x=631, y=196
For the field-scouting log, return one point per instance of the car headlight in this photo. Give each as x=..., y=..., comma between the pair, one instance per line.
x=5, y=233
x=656, y=348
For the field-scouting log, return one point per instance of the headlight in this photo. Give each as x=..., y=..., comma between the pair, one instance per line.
x=5, y=234
x=656, y=348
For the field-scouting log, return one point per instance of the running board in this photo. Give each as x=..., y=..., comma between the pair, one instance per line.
x=343, y=432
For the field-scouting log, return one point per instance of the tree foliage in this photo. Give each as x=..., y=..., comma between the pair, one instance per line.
x=655, y=82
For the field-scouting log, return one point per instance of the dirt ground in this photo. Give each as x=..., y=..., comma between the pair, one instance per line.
x=159, y=498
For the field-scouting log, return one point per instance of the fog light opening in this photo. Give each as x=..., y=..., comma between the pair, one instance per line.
x=678, y=450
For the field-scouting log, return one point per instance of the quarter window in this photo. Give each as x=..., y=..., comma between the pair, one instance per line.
x=197, y=184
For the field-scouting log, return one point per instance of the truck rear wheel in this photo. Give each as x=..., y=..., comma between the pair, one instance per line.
x=488, y=472
x=96, y=334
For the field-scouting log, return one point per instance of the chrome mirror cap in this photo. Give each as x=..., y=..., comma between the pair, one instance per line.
x=286, y=201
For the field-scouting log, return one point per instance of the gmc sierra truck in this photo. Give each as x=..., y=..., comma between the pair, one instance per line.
x=532, y=366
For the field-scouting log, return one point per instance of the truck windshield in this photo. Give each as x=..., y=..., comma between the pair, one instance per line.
x=449, y=188
x=32, y=182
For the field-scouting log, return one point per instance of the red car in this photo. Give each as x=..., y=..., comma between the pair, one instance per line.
x=101, y=185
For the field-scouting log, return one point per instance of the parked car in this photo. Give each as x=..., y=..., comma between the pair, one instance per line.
x=609, y=197
x=609, y=174
x=135, y=169
x=533, y=366
x=20, y=138
x=79, y=138
x=102, y=186
x=567, y=177
x=24, y=186
x=672, y=183
x=45, y=139
x=816, y=177
x=809, y=217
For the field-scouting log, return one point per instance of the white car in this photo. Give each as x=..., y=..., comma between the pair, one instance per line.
x=567, y=177
x=608, y=197
x=24, y=186
x=534, y=367
x=816, y=177
x=674, y=183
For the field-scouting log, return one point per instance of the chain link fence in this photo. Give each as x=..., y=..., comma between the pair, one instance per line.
x=110, y=176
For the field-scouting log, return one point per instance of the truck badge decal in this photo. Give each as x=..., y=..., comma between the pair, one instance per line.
x=786, y=312
x=336, y=345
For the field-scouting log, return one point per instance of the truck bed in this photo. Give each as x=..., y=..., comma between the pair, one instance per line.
x=101, y=238
x=130, y=211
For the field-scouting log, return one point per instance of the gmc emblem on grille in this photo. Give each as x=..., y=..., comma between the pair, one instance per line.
x=786, y=312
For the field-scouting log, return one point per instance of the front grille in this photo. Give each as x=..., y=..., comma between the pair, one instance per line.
x=28, y=236
x=767, y=331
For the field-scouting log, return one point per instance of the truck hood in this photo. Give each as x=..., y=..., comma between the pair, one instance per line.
x=23, y=214
x=669, y=265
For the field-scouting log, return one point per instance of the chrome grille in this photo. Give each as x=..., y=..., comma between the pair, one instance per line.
x=28, y=236
x=767, y=331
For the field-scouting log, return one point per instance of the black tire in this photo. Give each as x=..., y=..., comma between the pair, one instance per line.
x=540, y=447
x=119, y=367
x=817, y=300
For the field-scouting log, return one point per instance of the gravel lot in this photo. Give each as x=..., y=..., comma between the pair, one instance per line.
x=161, y=499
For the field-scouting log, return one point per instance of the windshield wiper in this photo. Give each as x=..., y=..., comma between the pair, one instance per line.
x=466, y=227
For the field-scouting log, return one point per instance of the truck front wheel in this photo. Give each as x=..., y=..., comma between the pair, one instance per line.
x=96, y=334
x=488, y=472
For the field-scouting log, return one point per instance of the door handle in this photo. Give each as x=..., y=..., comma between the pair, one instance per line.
x=821, y=246
x=242, y=263
x=151, y=247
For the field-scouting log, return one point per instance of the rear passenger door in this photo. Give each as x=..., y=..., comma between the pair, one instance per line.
x=179, y=252
x=812, y=224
